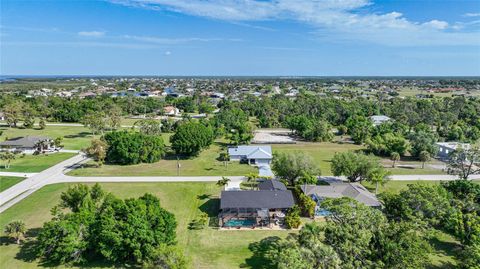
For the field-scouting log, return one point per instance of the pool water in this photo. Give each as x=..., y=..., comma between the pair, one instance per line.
x=322, y=212
x=239, y=223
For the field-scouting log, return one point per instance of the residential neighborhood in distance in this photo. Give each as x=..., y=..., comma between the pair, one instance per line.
x=222, y=134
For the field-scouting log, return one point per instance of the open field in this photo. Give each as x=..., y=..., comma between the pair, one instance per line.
x=7, y=182
x=413, y=92
x=208, y=248
x=74, y=137
x=35, y=163
x=205, y=164
x=397, y=186
x=321, y=153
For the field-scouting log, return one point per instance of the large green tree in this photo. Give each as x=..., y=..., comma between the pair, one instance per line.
x=130, y=147
x=355, y=166
x=191, y=138
x=97, y=225
x=292, y=165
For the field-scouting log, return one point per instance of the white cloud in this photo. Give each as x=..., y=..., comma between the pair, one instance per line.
x=471, y=15
x=91, y=33
x=436, y=24
x=170, y=41
x=334, y=19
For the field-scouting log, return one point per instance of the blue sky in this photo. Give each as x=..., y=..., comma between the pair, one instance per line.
x=241, y=37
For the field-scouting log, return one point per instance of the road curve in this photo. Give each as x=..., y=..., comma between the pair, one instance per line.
x=56, y=174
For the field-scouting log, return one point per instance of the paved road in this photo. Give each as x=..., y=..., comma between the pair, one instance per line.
x=16, y=174
x=56, y=174
x=39, y=180
x=429, y=177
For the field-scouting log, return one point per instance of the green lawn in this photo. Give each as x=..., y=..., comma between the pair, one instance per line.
x=74, y=137
x=7, y=182
x=322, y=153
x=396, y=186
x=203, y=165
x=35, y=163
x=208, y=248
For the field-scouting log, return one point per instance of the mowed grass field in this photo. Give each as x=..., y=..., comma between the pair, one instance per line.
x=206, y=164
x=207, y=248
x=74, y=137
x=322, y=153
x=7, y=182
x=35, y=163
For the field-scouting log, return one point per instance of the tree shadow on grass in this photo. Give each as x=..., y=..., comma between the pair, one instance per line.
x=28, y=251
x=203, y=196
x=211, y=207
x=260, y=250
x=79, y=135
x=444, y=248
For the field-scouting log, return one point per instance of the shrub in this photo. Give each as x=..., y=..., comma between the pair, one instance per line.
x=292, y=219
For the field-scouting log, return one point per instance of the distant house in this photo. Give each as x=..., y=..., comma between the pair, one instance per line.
x=171, y=111
x=337, y=190
x=255, y=208
x=28, y=144
x=446, y=148
x=379, y=119
x=259, y=155
x=87, y=95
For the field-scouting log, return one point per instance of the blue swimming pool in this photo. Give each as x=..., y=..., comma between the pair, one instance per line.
x=239, y=223
x=322, y=212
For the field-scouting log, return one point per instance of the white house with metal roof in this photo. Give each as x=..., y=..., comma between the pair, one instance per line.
x=258, y=155
x=379, y=119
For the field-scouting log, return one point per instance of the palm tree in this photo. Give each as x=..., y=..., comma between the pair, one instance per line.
x=424, y=157
x=224, y=158
x=394, y=156
x=378, y=176
x=8, y=157
x=223, y=182
x=16, y=229
x=251, y=179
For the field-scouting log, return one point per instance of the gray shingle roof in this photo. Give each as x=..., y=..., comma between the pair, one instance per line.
x=256, y=199
x=338, y=190
x=272, y=185
x=24, y=142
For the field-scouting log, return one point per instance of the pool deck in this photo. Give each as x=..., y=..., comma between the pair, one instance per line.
x=274, y=228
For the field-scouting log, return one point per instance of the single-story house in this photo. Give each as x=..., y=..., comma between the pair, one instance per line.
x=28, y=144
x=254, y=208
x=338, y=190
x=446, y=148
x=259, y=155
x=379, y=119
x=171, y=111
